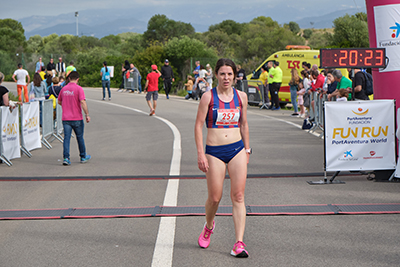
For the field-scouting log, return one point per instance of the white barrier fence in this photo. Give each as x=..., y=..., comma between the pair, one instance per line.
x=28, y=135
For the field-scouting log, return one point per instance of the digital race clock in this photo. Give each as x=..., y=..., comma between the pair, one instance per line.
x=353, y=58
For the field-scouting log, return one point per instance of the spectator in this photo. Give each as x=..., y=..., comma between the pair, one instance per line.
x=196, y=75
x=316, y=86
x=54, y=91
x=21, y=75
x=134, y=69
x=70, y=68
x=264, y=81
x=275, y=75
x=240, y=77
x=332, y=84
x=342, y=83
x=359, y=85
x=105, y=80
x=39, y=65
x=3, y=92
x=201, y=81
x=42, y=73
x=168, y=77
x=294, y=86
x=209, y=75
x=189, y=87
x=38, y=92
x=38, y=87
x=314, y=67
x=124, y=69
x=48, y=83
x=55, y=88
x=62, y=81
x=300, y=99
x=73, y=101
x=306, y=79
x=51, y=68
x=343, y=94
x=152, y=88
x=60, y=67
x=196, y=70
x=241, y=73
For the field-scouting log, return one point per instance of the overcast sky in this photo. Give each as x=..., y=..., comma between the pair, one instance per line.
x=17, y=9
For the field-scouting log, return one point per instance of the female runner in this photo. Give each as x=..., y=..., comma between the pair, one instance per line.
x=224, y=110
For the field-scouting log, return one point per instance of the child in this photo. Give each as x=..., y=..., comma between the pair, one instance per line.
x=189, y=87
x=300, y=100
x=343, y=95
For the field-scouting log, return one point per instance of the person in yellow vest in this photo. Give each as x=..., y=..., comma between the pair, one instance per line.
x=275, y=75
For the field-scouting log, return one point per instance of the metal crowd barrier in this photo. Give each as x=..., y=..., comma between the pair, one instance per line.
x=24, y=149
x=58, y=126
x=51, y=127
x=132, y=83
x=255, y=95
x=317, y=111
x=2, y=156
x=47, y=121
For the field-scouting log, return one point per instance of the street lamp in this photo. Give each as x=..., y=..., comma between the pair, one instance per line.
x=77, y=15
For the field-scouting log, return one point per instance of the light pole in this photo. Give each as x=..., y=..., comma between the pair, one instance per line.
x=77, y=15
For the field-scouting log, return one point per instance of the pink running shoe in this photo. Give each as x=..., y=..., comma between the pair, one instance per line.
x=204, y=238
x=239, y=251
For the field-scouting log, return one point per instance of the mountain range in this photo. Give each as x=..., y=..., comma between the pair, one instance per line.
x=100, y=23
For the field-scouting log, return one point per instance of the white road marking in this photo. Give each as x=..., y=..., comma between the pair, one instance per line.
x=288, y=122
x=164, y=247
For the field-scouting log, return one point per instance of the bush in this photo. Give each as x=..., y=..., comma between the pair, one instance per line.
x=307, y=33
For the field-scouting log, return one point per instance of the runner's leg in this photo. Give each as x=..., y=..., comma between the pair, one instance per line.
x=215, y=182
x=237, y=169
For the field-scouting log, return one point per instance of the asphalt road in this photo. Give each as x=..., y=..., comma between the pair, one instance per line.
x=125, y=142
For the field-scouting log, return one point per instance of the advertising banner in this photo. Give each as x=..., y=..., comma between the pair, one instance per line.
x=397, y=172
x=360, y=135
x=387, y=27
x=30, y=125
x=10, y=133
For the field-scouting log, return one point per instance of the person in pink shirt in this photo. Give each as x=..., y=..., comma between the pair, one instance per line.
x=72, y=100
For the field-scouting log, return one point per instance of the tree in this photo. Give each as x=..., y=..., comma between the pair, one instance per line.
x=318, y=40
x=180, y=50
x=228, y=27
x=349, y=31
x=262, y=37
x=294, y=27
x=161, y=29
x=307, y=33
x=220, y=41
x=12, y=36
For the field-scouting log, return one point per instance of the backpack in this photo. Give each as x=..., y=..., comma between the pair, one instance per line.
x=369, y=90
x=306, y=124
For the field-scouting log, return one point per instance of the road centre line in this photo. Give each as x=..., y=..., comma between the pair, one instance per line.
x=164, y=247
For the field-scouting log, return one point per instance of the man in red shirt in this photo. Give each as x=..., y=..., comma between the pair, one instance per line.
x=152, y=88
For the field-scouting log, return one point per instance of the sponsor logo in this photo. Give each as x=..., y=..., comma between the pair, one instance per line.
x=348, y=156
x=360, y=112
x=372, y=155
x=396, y=30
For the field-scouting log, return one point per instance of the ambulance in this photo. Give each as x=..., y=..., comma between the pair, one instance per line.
x=288, y=59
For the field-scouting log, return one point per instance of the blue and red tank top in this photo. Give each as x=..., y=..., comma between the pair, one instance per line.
x=224, y=114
